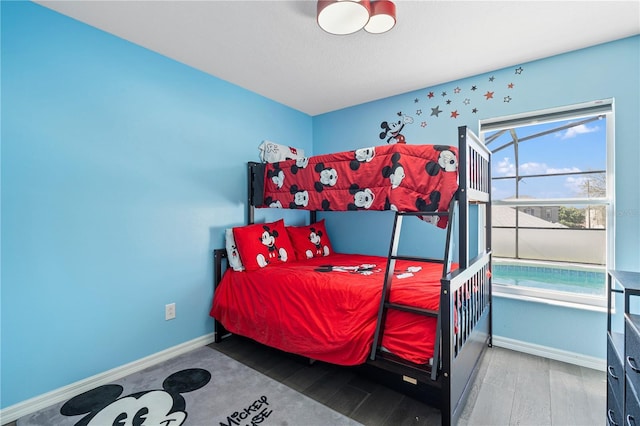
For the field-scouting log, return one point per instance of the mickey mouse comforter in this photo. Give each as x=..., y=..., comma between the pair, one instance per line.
x=326, y=308
x=397, y=177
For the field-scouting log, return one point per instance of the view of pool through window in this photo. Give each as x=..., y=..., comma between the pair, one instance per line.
x=583, y=281
x=552, y=202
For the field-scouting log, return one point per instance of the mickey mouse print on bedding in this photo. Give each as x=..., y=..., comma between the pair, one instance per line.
x=397, y=177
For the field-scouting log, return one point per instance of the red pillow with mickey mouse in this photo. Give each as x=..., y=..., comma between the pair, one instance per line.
x=310, y=241
x=263, y=244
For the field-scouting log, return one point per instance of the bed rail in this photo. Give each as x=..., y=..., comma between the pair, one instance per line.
x=474, y=187
x=477, y=173
x=466, y=327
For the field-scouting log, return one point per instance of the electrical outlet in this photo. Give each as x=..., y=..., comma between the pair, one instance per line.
x=169, y=311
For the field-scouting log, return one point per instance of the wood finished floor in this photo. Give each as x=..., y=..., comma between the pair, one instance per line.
x=511, y=388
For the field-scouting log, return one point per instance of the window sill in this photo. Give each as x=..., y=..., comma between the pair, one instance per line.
x=596, y=304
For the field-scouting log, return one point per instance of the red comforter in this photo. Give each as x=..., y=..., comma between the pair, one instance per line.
x=326, y=308
x=398, y=177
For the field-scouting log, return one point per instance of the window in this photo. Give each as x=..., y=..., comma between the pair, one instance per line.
x=552, y=180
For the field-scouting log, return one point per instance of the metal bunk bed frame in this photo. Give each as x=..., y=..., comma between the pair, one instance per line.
x=464, y=318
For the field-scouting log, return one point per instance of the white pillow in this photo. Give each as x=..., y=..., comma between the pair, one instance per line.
x=271, y=152
x=232, y=251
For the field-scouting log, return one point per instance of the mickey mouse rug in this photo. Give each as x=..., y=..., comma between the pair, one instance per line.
x=202, y=387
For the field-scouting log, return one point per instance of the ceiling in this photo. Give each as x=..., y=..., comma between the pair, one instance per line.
x=276, y=49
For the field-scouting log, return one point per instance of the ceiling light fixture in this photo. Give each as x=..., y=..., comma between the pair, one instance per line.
x=382, y=18
x=343, y=17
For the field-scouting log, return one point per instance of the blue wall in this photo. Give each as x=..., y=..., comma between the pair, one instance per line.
x=120, y=170
x=606, y=71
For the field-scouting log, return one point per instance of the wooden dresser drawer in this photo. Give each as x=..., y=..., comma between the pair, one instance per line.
x=632, y=349
x=615, y=369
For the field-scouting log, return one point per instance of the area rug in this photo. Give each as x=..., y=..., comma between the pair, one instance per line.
x=202, y=387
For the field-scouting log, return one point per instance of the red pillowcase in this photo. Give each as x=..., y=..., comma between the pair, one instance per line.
x=263, y=244
x=310, y=241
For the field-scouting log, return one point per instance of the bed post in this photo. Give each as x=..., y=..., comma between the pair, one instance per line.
x=463, y=227
x=488, y=247
x=250, y=208
x=255, y=189
x=446, y=334
x=218, y=256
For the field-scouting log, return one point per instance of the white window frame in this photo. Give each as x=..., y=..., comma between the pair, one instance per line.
x=606, y=108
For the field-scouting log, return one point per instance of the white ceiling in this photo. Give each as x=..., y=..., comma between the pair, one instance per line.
x=276, y=49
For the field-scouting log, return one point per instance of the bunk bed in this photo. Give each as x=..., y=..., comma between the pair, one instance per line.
x=423, y=322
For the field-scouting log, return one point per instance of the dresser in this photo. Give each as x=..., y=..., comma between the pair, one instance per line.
x=623, y=348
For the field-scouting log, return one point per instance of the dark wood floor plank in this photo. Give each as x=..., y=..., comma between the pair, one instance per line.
x=306, y=377
x=285, y=368
x=377, y=407
x=347, y=399
x=410, y=412
x=327, y=386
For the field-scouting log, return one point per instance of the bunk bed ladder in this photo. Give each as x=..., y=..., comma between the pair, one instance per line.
x=385, y=303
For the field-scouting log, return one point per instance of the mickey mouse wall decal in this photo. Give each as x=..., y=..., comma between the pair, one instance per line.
x=391, y=129
x=104, y=406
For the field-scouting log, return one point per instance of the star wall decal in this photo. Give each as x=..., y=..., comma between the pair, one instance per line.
x=461, y=107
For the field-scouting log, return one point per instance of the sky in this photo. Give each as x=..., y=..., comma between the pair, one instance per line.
x=575, y=149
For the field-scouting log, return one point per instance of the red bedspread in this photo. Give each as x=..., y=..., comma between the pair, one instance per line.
x=326, y=308
x=392, y=177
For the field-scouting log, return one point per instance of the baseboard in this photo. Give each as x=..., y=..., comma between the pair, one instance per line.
x=14, y=412
x=551, y=353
